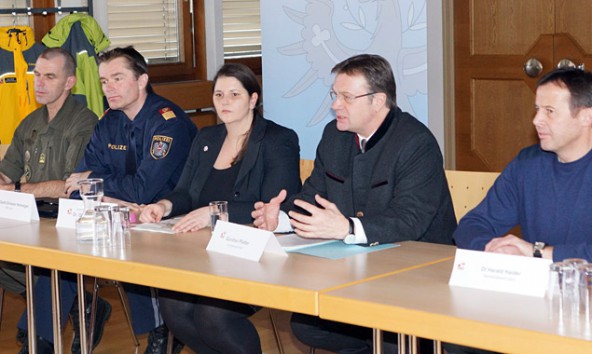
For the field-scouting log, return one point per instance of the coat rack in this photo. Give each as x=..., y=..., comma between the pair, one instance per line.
x=48, y=10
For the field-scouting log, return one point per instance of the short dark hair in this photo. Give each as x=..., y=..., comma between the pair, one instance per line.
x=244, y=75
x=135, y=61
x=376, y=70
x=69, y=63
x=578, y=82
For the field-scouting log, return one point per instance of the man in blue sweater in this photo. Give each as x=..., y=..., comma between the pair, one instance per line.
x=547, y=188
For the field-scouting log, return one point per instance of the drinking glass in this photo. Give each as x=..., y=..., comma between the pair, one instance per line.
x=91, y=192
x=586, y=292
x=554, y=290
x=120, y=233
x=570, y=292
x=218, y=211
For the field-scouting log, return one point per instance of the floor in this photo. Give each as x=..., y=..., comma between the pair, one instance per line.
x=116, y=338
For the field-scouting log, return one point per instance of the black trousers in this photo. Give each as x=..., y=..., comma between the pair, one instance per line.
x=209, y=325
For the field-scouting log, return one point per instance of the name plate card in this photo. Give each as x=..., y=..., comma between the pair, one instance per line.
x=500, y=272
x=69, y=211
x=18, y=206
x=243, y=241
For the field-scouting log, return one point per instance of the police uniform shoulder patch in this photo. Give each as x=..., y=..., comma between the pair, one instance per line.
x=160, y=147
x=167, y=113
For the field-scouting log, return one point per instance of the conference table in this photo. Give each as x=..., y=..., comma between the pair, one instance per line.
x=419, y=302
x=180, y=262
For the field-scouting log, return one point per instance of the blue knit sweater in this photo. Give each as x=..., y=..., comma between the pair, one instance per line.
x=550, y=200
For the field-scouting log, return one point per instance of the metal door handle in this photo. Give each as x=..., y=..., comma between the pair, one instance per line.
x=533, y=67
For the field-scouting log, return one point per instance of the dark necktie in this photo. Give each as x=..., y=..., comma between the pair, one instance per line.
x=130, y=158
x=363, y=145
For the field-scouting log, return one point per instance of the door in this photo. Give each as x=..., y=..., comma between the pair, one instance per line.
x=494, y=97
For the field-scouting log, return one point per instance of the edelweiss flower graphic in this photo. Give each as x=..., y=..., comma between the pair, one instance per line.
x=333, y=30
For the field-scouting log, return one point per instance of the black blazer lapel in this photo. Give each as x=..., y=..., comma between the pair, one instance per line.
x=209, y=152
x=253, y=147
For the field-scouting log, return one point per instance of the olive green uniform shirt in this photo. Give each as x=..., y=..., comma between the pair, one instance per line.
x=42, y=151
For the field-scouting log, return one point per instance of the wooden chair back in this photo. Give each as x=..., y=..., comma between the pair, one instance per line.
x=468, y=188
x=195, y=97
x=305, y=169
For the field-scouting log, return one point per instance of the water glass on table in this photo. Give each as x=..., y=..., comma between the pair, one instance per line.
x=570, y=287
x=120, y=224
x=218, y=211
x=91, y=192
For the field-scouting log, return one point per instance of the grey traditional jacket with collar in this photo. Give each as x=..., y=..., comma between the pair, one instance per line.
x=397, y=188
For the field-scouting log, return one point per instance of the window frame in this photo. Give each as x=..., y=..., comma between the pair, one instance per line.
x=185, y=71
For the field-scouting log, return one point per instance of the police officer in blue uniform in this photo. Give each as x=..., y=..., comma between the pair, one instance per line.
x=140, y=160
x=139, y=148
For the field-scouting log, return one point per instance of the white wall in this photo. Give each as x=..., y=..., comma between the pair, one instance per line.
x=436, y=71
x=214, y=36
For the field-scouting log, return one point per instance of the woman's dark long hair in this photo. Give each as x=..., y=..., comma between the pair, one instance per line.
x=247, y=78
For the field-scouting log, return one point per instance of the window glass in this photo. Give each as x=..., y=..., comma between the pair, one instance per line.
x=242, y=28
x=14, y=20
x=151, y=26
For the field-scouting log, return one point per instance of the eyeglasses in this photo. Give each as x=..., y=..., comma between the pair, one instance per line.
x=346, y=97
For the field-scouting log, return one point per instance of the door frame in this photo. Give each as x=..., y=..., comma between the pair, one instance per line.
x=449, y=87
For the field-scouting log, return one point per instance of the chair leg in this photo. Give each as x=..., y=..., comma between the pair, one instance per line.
x=124, y=304
x=126, y=311
x=93, y=313
x=276, y=332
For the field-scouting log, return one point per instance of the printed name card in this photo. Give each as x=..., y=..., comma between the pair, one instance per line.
x=500, y=272
x=18, y=206
x=243, y=241
x=69, y=211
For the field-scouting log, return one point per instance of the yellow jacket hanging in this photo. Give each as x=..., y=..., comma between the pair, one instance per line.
x=18, y=53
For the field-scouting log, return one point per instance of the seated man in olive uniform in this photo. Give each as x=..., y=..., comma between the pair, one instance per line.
x=46, y=148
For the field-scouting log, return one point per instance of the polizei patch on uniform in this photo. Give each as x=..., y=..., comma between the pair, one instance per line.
x=167, y=113
x=160, y=146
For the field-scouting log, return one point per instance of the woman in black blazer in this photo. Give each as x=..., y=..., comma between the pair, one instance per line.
x=244, y=160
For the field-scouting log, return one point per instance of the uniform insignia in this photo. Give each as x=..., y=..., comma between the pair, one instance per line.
x=27, y=156
x=42, y=158
x=160, y=147
x=167, y=113
x=206, y=148
x=27, y=172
